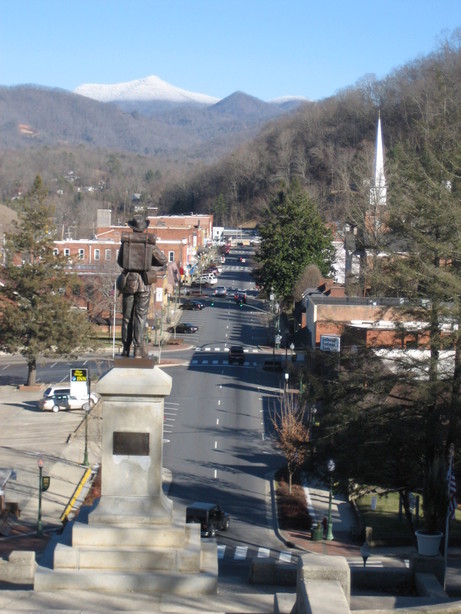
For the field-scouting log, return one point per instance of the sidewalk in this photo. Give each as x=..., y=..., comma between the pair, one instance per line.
x=344, y=528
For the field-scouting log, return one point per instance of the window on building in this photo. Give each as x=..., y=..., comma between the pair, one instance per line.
x=56, y=251
x=170, y=256
x=107, y=254
x=81, y=254
x=66, y=251
x=97, y=254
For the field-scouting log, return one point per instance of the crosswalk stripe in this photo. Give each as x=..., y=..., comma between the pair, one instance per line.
x=285, y=556
x=263, y=553
x=240, y=553
x=215, y=362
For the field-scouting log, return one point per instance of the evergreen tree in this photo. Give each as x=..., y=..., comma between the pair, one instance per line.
x=37, y=318
x=293, y=237
x=401, y=420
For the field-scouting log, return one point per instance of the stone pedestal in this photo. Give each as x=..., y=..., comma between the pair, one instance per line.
x=133, y=541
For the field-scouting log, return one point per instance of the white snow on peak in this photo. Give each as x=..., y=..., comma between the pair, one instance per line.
x=283, y=99
x=149, y=88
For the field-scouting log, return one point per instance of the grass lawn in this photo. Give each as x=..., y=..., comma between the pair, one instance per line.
x=385, y=519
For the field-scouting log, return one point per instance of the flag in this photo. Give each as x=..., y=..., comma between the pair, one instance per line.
x=451, y=480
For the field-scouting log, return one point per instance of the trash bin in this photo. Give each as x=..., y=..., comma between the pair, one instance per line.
x=317, y=533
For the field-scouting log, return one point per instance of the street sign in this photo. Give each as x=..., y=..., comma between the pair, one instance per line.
x=330, y=343
x=79, y=383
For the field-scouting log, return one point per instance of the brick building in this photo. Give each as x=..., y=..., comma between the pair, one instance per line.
x=379, y=322
x=182, y=238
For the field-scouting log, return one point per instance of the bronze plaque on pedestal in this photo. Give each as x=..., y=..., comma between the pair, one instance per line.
x=130, y=444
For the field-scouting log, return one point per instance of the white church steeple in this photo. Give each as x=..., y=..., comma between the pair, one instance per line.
x=378, y=191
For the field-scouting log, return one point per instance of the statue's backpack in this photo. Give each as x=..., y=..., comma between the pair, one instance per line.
x=137, y=251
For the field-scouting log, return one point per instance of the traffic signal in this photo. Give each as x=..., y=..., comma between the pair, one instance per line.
x=212, y=302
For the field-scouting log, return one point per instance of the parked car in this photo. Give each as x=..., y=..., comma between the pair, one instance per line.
x=205, y=280
x=51, y=390
x=220, y=291
x=183, y=327
x=192, y=305
x=209, y=516
x=58, y=401
x=236, y=354
x=210, y=279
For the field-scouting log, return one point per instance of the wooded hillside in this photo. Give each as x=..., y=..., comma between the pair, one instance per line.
x=327, y=146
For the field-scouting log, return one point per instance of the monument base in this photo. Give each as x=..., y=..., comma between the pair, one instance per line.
x=143, y=558
x=131, y=541
x=132, y=510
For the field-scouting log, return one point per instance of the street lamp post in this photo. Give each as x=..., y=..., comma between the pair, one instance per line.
x=331, y=468
x=39, y=519
x=287, y=376
x=86, y=408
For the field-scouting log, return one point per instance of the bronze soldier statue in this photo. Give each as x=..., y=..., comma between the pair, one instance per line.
x=140, y=260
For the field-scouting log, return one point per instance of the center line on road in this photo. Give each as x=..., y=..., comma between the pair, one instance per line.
x=217, y=420
x=215, y=445
x=219, y=402
x=215, y=473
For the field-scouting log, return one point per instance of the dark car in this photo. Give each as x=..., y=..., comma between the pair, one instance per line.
x=236, y=354
x=209, y=516
x=192, y=305
x=220, y=291
x=183, y=327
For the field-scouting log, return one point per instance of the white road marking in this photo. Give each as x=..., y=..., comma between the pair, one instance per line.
x=263, y=553
x=285, y=556
x=240, y=553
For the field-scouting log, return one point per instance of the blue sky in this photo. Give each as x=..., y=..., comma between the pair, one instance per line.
x=266, y=48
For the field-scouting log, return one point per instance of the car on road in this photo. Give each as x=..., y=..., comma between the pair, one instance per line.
x=220, y=291
x=236, y=354
x=209, y=516
x=240, y=297
x=59, y=401
x=183, y=327
x=192, y=305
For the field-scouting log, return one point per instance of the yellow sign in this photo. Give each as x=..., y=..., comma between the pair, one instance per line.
x=79, y=375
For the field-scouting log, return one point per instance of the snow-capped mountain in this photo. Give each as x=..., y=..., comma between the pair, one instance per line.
x=148, y=89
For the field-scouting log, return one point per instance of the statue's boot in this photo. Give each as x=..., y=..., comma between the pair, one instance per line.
x=141, y=352
x=126, y=349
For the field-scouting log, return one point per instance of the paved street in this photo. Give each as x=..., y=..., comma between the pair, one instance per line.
x=216, y=445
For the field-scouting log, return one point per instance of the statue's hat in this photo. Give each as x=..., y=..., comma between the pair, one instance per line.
x=138, y=223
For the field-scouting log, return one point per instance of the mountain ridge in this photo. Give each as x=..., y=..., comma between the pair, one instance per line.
x=37, y=116
x=145, y=89
x=152, y=88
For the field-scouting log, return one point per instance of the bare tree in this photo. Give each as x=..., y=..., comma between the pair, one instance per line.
x=287, y=418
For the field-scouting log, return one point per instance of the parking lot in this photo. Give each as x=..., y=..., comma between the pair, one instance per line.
x=28, y=435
